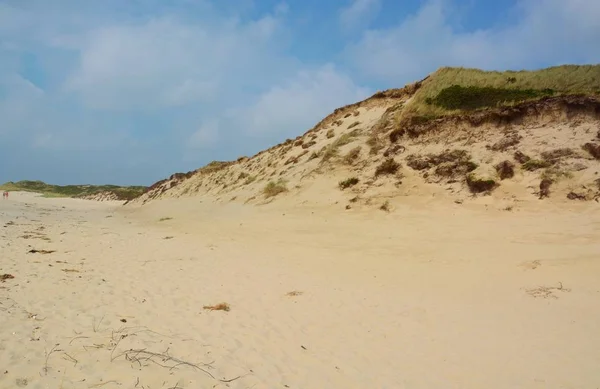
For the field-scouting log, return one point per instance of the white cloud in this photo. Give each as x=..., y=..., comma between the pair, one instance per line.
x=299, y=103
x=543, y=32
x=206, y=136
x=359, y=14
x=165, y=62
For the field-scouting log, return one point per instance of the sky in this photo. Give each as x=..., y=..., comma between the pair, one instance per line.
x=128, y=92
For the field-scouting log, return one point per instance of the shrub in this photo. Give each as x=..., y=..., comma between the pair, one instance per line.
x=545, y=187
x=521, y=158
x=393, y=150
x=479, y=185
x=347, y=183
x=535, y=164
x=375, y=144
x=274, y=188
x=309, y=144
x=330, y=134
x=313, y=155
x=576, y=196
x=593, y=149
x=250, y=180
x=389, y=166
x=353, y=125
x=505, y=169
x=385, y=206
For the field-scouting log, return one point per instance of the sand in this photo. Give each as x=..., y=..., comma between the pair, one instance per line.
x=431, y=295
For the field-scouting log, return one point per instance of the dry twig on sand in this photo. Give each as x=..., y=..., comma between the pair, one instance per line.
x=219, y=307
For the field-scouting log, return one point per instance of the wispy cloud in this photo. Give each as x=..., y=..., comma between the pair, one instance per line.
x=359, y=14
x=542, y=32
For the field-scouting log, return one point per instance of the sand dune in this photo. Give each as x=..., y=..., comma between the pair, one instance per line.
x=488, y=298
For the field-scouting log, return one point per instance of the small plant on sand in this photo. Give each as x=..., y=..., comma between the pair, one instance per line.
x=593, y=149
x=330, y=134
x=385, y=206
x=218, y=307
x=375, y=144
x=347, y=183
x=478, y=184
x=535, y=164
x=250, y=180
x=164, y=219
x=294, y=293
x=389, y=166
x=274, y=188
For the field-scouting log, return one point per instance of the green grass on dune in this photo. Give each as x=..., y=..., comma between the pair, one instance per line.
x=453, y=90
x=48, y=190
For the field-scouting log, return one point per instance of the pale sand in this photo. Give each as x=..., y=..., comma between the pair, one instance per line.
x=433, y=295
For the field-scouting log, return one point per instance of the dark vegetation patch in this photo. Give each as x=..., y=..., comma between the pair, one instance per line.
x=576, y=196
x=535, y=164
x=347, y=183
x=389, y=166
x=394, y=150
x=505, y=169
x=521, y=157
x=479, y=184
x=593, y=149
x=475, y=97
x=545, y=185
x=448, y=163
x=309, y=144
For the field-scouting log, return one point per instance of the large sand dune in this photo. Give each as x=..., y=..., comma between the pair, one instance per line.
x=432, y=295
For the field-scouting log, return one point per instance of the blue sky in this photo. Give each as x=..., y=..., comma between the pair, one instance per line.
x=131, y=91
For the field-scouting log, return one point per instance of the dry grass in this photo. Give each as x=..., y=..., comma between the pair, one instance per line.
x=347, y=183
x=274, y=188
x=389, y=166
x=294, y=293
x=164, y=219
x=386, y=207
x=218, y=307
x=547, y=291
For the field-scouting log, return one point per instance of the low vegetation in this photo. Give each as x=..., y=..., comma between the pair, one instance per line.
x=121, y=192
x=388, y=166
x=480, y=184
x=469, y=98
x=449, y=90
x=505, y=170
x=274, y=188
x=535, y=164
x=593, y=149
x=347, y=183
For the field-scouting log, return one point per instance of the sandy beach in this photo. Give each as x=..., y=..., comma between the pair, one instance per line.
x=430, y=296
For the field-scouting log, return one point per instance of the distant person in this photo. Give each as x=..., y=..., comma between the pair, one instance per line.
x=4, y=195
